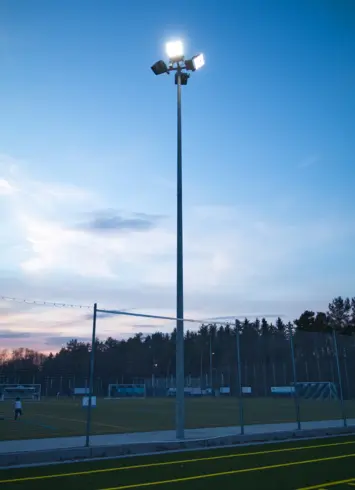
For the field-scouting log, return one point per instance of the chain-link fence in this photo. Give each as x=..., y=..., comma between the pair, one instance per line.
x=241, y=376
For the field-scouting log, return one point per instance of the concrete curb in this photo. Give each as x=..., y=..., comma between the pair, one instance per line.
x=114, y=451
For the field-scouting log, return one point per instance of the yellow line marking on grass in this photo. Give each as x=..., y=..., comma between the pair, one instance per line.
x=175, y=462
x=323, y=486
x=232, y=472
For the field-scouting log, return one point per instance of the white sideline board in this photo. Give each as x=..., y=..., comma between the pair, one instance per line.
x=225, y=390
x=282, y=389
x=246, y=390
x=85, y=402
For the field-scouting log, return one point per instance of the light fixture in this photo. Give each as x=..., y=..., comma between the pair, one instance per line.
x=195, y=63
x=175, y=51
x=198, y=61
x=183, y=78
x=159, y=67
x=177, y=63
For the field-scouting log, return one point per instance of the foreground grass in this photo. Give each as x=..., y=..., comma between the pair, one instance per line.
x=283, y=466
x=66, y=417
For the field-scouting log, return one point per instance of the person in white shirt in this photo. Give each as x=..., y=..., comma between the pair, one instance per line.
x=18, y=408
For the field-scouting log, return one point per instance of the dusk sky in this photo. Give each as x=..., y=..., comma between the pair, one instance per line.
x=88, y=162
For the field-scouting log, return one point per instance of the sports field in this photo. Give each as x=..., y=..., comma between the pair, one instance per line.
x=66, y=417
x=305, y=465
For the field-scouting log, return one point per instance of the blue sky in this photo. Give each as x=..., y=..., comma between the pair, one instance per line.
x=88, y=165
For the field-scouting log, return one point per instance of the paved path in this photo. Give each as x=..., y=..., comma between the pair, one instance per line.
x=161, y=436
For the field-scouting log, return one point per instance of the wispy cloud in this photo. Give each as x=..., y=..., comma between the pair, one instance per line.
x=62, y=341
x=6, y=188
x=109, y=221
x=10, y=334
x=236, y=260
x=223, y=247
x=146, y=325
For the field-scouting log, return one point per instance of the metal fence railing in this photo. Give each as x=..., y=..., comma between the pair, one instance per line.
x=235, y=376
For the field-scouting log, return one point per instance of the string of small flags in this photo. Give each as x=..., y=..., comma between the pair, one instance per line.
x=44, y=303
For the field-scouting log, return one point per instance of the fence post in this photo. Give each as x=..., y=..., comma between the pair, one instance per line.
x=339, y=378
x=295, y=395
x=91, y=376
x=240, y=388
x=348, y=394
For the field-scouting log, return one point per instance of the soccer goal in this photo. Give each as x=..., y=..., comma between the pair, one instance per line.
x=126, y=391
x=25, y=392
x=317, y=390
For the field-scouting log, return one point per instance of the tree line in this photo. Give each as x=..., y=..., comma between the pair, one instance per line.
x=210, y=355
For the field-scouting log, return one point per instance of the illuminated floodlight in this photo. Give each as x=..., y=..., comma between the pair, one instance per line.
x=175, y=51
x=195, y=63
x=159, y=68
x=198, y=61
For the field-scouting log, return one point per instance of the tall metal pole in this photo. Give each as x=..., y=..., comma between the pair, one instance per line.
x=340, y=381
x=294, y=372
x=240, y=387
x=211, y=374
x=91, y=376
x=180, y=375
x=201, y=368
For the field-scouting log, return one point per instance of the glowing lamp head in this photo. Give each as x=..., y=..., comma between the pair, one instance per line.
x=175, y=51
x=198, y=61
x=195, y=63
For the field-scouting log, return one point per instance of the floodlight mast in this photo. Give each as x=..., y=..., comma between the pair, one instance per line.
x=181, y=66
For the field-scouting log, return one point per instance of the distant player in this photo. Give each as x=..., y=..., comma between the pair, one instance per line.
x=18, y=408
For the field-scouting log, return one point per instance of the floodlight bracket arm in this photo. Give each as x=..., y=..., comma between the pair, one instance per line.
x=179, y=68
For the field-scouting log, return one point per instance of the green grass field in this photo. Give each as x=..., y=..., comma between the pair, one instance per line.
x=66, y=417
x=302, y=465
